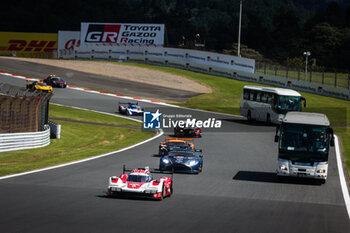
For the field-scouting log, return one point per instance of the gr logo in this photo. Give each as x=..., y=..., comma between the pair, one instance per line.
x=151, y=120
x=102, y=33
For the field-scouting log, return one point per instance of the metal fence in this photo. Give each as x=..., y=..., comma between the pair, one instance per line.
x=22, y=110
x=335, y=78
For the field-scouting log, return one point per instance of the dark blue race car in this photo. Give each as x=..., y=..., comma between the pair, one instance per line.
x=185, y=161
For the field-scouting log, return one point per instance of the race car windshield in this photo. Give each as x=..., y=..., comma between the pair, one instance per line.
x=177, y=144
x=139, y=178
x=182, y=153
x=41, y=84
x=57, y=79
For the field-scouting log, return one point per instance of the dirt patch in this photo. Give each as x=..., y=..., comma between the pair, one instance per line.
x=129, y=73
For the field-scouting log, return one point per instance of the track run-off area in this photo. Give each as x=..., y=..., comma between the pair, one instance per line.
x=237, y=191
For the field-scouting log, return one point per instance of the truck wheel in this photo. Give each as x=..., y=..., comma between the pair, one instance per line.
x=268, y=119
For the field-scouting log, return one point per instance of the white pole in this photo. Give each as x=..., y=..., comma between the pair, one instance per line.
x=306, y=68
x=239, y=30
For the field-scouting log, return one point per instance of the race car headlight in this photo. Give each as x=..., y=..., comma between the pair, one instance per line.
x=283, y=168
x=193, y=162
x=165, y=160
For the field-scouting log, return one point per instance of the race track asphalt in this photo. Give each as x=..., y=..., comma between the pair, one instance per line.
x=87, y=80
x=237, y=191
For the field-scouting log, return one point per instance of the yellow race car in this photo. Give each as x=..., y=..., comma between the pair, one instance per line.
x=38, y=85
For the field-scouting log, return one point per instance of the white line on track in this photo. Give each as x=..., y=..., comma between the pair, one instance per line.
x=342, y=177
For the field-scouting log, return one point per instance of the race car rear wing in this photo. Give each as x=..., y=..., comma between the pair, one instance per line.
x=184, y=139
x=135, y=103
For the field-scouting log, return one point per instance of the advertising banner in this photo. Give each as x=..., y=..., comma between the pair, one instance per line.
x=193, y=59
x=121, y=33
x=67, y=42
x=68, y=39
x=27, y=43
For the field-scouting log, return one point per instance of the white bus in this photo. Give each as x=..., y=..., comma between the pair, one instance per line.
x=303, y=145
x=269, y=104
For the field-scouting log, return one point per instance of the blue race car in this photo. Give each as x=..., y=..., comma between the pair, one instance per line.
x=130, y=109
x=184, y=161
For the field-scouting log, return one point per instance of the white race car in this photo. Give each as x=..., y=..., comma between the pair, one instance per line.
x=139, y=182
x=131, y=109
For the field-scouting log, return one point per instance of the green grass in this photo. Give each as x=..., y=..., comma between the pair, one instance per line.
x=226, y=97
x=84, y=115
x=77, y=141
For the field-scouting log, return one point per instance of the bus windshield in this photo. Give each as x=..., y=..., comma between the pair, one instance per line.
x=299, y=139
x=288, y=103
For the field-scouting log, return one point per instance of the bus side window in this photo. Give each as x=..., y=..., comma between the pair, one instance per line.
x=264, y=97
x=258, y=96
x=254, y=98
x=246, y=94
x=274, y=100
x=251, y=95
x=270, y=98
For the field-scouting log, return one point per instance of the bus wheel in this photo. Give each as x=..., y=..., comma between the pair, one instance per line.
x=322, y=181
x=249, y=116
x=268, y=119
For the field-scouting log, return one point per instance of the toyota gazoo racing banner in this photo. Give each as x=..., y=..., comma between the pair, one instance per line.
x=121, y=33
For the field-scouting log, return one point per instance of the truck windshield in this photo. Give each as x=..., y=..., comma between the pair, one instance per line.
x=288, y=103
x=304, y=138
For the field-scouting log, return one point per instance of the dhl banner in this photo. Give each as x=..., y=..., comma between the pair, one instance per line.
x=22, y=43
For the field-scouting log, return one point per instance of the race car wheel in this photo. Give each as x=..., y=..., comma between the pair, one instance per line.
x=109, y=192
x=163, y=194
x=171, y=189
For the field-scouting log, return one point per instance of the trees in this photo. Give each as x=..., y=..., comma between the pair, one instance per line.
x=275, y=28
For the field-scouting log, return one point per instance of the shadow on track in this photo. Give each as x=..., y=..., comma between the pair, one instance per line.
x=125, y=197
x=271, y=177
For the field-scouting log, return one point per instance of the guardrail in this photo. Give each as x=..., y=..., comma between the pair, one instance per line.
x=21, y=141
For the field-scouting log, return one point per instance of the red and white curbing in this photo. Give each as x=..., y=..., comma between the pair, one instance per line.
x=92, y=91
